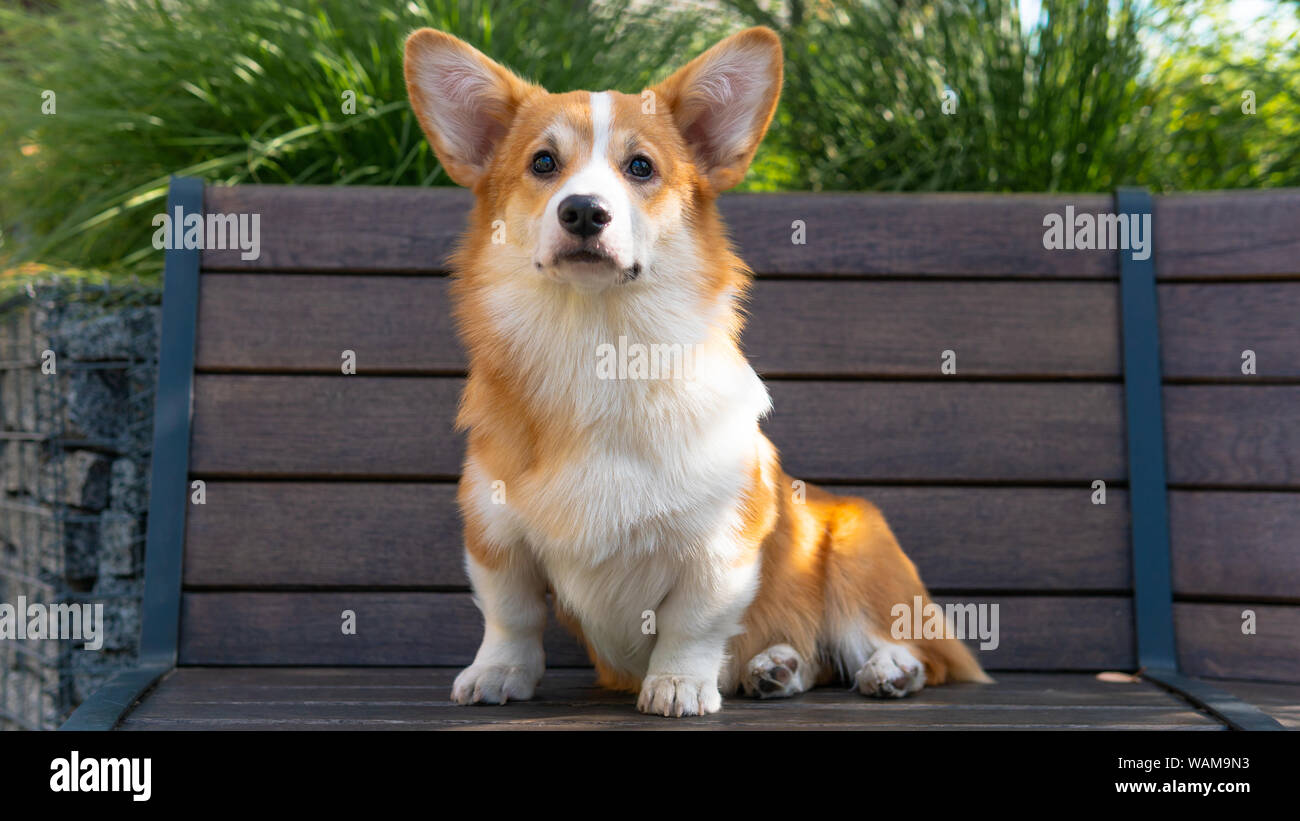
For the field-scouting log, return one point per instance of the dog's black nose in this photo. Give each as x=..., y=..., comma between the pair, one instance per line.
x=584, y=215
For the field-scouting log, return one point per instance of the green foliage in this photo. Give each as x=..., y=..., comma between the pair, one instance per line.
x=1211, y=71
x=1040, y=110
x=252, y=91
x=1086, y=97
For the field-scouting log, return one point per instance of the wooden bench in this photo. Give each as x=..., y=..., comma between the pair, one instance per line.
x=327, y=492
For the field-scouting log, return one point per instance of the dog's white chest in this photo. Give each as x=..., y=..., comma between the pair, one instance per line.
x=616, y=603
x=615, y=527
x=645, y=490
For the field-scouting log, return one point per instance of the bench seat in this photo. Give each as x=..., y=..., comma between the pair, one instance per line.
x=291, y=495
x=412, y=698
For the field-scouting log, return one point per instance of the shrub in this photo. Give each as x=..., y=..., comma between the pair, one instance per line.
x=1085, y=97
x=252, y=91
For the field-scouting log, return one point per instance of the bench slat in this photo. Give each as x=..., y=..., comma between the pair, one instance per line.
x=400, y=698
x=1236, y=545
x=258, y=426
x=911, y=234
x=1218, y=235
x=343, y=228
x=286, y=323
x=1205, y=328
x=1211, y=642
x=412, y=230
x=325, y=425
x=306, y=628
x=1233, y=435
x=1228, y=234
x=189, y=685
x=302, y=323
x=253, y=534
x=399, y=629
x=376, y=535
x=319, y=534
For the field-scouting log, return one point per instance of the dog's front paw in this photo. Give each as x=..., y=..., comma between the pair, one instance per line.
x=668, y=695
x=494, y=684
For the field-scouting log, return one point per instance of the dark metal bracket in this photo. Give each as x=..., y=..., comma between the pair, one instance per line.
x=1153, y=600
x=168, y=485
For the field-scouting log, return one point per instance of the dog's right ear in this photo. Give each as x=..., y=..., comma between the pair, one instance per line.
x=463, y=100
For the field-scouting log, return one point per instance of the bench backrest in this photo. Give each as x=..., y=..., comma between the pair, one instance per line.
x=328, y=492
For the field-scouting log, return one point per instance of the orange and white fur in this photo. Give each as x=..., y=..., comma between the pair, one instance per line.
x=640, y=503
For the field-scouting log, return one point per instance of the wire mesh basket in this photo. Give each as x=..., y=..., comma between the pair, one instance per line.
x=78, y=366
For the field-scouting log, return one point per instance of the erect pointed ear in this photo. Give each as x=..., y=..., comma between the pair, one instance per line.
x=463, y=100
x=723, y=100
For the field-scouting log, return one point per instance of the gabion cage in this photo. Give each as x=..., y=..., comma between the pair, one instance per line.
x=78, y=366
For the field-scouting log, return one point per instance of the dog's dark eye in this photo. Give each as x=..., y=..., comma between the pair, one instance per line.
x=640, y=168
x=543, y=163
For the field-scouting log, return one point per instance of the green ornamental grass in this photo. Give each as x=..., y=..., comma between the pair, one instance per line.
x=254, y=91
x=897, y=95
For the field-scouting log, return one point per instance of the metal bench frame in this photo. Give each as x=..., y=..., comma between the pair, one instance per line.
x=1152, y=586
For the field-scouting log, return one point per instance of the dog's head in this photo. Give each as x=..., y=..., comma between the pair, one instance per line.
x=592, y=188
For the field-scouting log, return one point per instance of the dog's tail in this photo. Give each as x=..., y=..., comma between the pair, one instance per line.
x=948, y=660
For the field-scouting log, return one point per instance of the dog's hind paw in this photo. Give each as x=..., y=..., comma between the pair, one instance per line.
x=891, y=672
x=776, y=672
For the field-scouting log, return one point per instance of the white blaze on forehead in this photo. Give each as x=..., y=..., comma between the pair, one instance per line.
x=600, y=120
x=597, y=176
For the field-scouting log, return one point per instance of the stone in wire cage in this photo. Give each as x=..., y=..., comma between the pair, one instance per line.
x=77, y=377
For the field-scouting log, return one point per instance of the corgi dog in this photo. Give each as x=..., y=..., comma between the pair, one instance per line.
x=645, y=501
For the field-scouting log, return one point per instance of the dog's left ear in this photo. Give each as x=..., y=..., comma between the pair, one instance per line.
x=723, y=100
